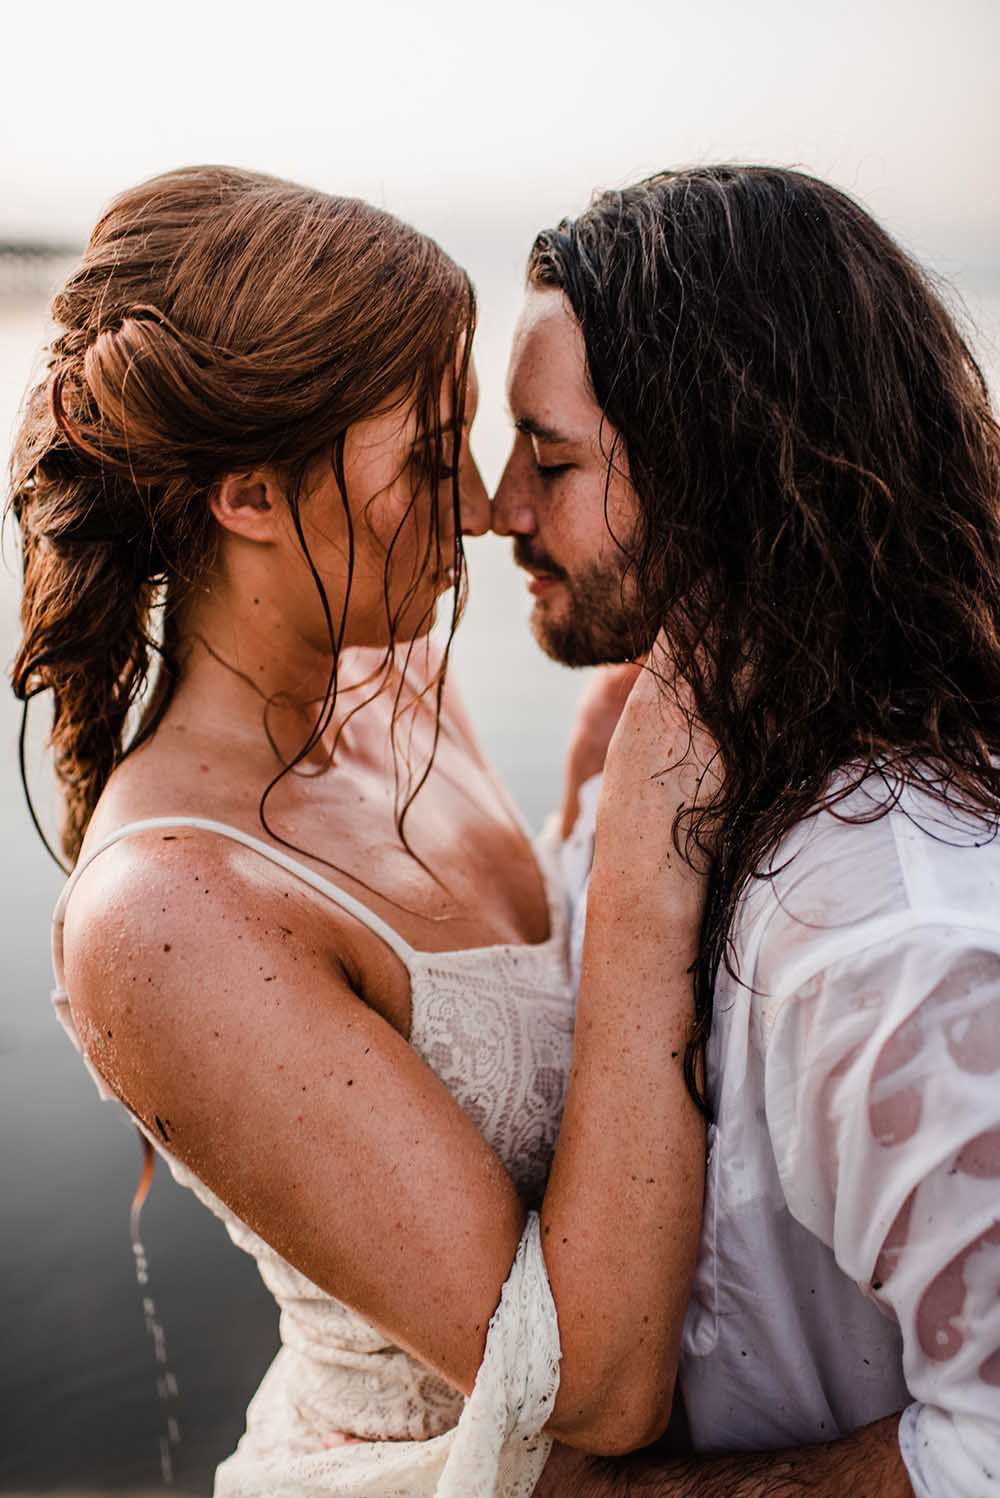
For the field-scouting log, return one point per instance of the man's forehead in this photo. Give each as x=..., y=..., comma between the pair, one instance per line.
x=546, y=321
x=547, y=374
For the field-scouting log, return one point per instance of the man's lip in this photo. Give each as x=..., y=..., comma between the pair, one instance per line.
x=540, y=582
x=540, y=579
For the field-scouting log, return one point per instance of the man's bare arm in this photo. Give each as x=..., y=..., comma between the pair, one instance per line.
x=866, y=1464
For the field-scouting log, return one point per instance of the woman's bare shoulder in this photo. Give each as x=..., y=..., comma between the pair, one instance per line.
x=210, y=1006
x=169, y=912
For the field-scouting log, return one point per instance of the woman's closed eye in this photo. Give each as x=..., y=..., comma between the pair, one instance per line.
x=441, y=473
x=551, y=470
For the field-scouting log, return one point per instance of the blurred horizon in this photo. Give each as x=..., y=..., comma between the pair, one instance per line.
x=516, y=118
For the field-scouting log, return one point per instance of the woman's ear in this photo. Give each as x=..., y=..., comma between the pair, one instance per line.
x=248, y=505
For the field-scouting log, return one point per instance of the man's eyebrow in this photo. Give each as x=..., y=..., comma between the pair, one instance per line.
x=533, y=428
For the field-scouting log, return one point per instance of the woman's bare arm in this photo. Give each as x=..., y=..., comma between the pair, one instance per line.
x=211, y=1002
x=210, y=1008
x=623, y=1208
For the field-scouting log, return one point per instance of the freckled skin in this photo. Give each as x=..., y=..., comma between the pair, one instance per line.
x=281, y=1057
x=215, y=728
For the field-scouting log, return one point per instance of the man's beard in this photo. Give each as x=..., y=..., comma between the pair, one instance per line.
x=599, y=624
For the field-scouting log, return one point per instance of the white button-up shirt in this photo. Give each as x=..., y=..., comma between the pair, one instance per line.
x=850, y=1258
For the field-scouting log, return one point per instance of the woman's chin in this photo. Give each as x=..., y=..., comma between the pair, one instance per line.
x=420, y=626
x=417, y=620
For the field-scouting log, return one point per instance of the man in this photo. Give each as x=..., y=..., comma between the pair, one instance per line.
x=744, y=418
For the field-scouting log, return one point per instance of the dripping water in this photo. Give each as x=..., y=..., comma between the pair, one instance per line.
x=166, y=1382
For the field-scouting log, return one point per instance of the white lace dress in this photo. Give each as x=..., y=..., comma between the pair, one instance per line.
x=495, y=1025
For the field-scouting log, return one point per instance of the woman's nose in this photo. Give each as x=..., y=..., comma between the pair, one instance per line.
x=475, y=502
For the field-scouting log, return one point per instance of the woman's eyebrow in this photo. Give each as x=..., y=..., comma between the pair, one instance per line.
x=447, y=429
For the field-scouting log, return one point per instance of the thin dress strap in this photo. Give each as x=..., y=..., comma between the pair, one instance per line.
x=340, y=897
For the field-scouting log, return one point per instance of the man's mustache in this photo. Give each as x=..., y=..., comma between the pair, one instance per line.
x=533, y=560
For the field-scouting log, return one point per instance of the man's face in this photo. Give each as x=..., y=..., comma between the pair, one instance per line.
x=572, y=521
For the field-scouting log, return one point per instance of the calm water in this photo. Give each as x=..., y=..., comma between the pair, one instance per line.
x=78, y=1379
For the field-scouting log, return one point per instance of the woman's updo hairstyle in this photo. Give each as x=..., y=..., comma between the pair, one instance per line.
x=220, y=320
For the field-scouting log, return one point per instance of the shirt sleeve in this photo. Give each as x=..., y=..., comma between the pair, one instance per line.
x=883, y=1104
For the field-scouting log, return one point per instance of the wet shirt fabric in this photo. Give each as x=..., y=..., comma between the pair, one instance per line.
x=850, y=1257
x=496, y=1025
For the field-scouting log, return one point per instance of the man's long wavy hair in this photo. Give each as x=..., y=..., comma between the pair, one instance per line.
x=818, y=473
x=220, y=321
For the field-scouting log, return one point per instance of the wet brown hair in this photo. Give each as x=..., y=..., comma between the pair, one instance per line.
x=220, y=320
x=818, y=473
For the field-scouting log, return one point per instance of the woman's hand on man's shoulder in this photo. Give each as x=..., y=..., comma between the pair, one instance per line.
x=660, y=763
x=597, y=715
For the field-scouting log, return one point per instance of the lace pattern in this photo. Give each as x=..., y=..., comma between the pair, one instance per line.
x=501, y=1044
x=495, y=1024
x=497, y=1449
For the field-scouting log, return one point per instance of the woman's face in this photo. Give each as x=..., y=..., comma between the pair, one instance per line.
x=399, y=569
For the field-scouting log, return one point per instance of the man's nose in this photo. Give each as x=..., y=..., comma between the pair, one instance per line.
x=513, y=513
x=474, y=502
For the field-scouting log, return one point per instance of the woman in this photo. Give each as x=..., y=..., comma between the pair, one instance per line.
x=306, y=941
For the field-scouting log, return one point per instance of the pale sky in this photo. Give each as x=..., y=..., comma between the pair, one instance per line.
x=490, y=118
